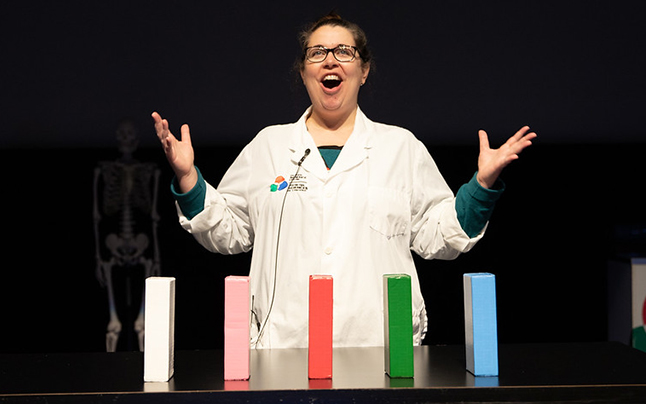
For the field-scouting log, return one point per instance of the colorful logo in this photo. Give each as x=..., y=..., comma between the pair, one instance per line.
x=279, y=184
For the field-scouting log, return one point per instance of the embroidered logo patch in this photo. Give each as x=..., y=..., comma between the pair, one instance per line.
x=279, y=184
x=298, y=183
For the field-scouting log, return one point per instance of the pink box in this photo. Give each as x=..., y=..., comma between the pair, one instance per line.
x=236, y=328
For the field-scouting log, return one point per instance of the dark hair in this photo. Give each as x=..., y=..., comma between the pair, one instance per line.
x=335, y=20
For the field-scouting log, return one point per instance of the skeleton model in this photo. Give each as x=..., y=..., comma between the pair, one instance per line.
x=125, y=195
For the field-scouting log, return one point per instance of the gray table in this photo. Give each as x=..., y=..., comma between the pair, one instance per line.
x=587, y=372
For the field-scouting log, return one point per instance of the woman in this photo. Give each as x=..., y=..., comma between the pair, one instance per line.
x=354, y=210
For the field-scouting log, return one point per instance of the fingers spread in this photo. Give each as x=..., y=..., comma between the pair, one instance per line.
x=521, y=132
x=525, y=144
x=521, y=139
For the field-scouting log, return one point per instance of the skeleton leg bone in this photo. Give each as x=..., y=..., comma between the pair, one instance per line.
x=114, y=325
x=139, y=322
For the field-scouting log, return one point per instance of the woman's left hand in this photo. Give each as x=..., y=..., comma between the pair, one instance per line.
x=492, y=161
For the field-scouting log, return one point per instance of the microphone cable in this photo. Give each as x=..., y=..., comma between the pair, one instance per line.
x=280, y=223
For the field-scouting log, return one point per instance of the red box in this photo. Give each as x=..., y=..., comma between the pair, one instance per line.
x=320, y=327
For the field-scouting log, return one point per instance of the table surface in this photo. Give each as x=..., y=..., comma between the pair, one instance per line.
x=603, y=369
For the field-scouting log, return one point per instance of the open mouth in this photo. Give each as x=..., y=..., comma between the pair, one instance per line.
x=331, y=81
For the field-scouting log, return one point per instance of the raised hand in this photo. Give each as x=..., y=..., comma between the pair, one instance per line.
x=180, y=154
x=492, y=161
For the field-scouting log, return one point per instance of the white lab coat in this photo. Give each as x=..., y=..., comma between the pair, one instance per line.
x=383, y=197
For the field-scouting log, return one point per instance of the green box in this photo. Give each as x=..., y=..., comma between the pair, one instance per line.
x=398, y=326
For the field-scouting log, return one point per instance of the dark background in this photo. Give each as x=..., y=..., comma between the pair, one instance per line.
x=573, y=70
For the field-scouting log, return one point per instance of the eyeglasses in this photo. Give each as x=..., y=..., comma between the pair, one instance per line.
x=342, y=53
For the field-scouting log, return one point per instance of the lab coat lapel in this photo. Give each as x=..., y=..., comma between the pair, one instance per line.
x=300, y=141
x=353, y=153
x=356, y=148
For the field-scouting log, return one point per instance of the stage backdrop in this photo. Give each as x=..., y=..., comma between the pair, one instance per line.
x=573, y=70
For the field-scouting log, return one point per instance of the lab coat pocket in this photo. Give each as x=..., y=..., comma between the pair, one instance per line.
x=389, y=211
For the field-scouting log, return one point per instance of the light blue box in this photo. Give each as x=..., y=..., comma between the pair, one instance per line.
x=480, y=323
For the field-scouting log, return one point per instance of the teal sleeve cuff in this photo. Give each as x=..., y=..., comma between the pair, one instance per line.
x=474, y=205
x=192, y=202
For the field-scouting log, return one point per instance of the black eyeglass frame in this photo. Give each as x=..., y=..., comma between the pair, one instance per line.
x=355, y=50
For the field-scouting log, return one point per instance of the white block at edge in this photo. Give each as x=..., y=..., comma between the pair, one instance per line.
x=159, y=323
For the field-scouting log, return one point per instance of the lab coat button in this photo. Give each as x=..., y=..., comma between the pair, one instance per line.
x=328, y=250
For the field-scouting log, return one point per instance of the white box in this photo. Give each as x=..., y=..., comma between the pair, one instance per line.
x=159, y=337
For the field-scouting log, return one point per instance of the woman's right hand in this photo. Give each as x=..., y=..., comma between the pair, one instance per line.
x=180, y=154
